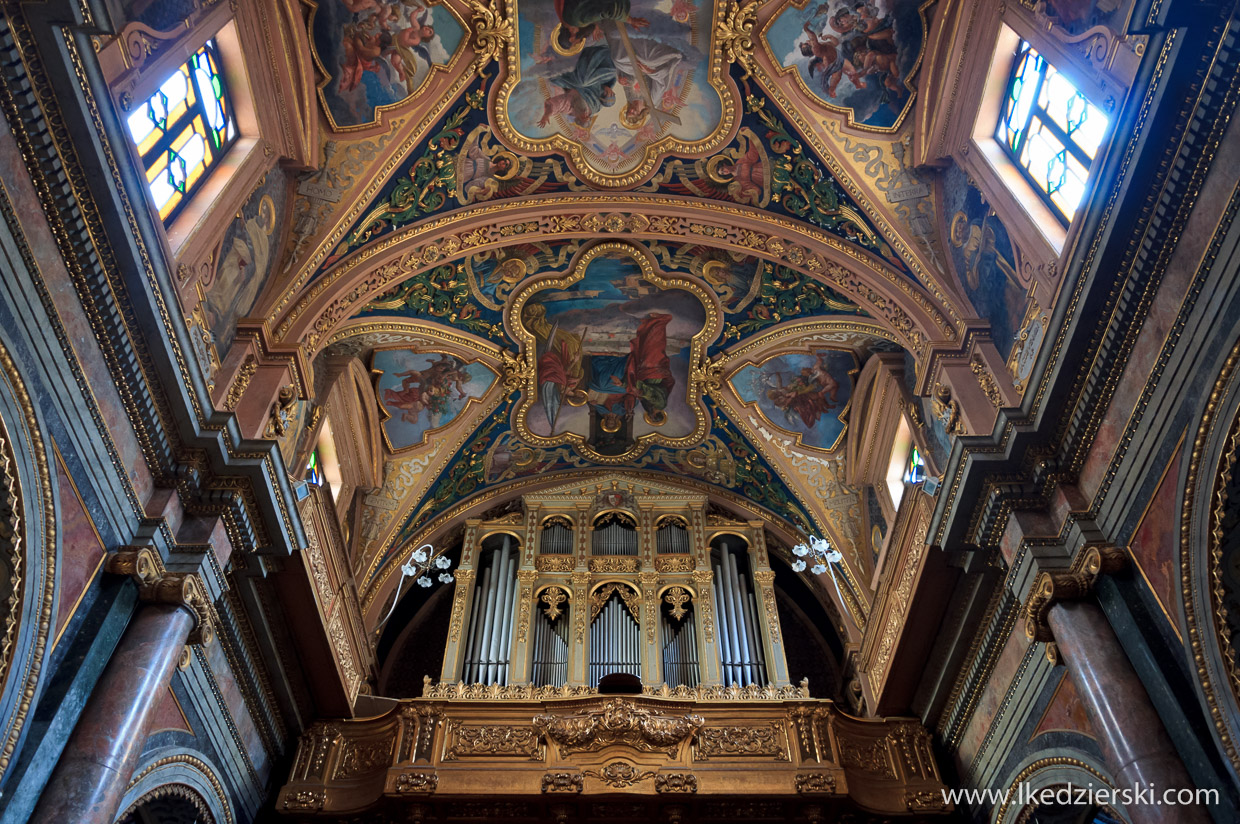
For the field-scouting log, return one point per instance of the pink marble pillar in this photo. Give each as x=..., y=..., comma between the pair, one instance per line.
x=1133, y=739
x=99, y=759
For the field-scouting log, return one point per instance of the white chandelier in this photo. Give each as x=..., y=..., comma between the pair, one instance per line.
x=421, y=567
x=824, y=556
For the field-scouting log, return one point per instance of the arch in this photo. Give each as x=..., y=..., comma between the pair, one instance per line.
x=30, y=552
x=311, y=314
x=618, y=514
x=1040, y=771
x=183, y=773
x=1202, y=558
x=689, y=588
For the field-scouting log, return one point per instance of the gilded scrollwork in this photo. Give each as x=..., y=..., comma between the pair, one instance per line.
x=618, y=722
x=416, y=783
x=816, y=783
x=769, y=740
x=619, y=774
x=675, y=783
x=472, y=740
x=562, y=782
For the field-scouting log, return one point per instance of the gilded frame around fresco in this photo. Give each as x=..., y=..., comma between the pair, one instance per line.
x=697, y=352
x=385, y=415
x=797, y=436
x=382, y=112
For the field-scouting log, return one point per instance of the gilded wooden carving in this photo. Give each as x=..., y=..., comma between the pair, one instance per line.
x=618, y=722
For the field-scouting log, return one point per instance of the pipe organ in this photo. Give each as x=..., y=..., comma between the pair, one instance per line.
x=619, y=580
x=557, y=536
x=680, y=658
x=549, y=667
x=615, y=635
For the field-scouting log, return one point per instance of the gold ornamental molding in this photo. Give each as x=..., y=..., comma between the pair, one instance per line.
x=314, y=314
x=158, y=586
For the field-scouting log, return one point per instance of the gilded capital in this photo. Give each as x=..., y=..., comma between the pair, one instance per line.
x=1068, y=585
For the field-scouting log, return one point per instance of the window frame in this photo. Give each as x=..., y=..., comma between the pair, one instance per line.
x=1038, y=114
x=185, y=122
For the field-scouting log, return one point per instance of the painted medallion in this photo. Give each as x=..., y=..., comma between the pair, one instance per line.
x=803, y=393
x=424, y=391
x=612, y=344
x=853, y=55
x=378, y=53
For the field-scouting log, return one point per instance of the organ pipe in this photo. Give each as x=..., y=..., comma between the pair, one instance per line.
x=739, y=638
x=557, y=539
x=615, y=642
x=490, y=625
x=614, y=538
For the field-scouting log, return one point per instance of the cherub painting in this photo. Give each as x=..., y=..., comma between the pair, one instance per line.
x=378, y=52
x=421, y=392
x=855, y=54
x=804, y=393
x=614, y=76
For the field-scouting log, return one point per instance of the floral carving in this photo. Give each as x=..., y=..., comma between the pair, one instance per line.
x=815, y=783
x=724, y=741
x=675, y=783
x=562, y=782
x=618, y=722
x=468, y=740
x=619, y=774
x=416, y=783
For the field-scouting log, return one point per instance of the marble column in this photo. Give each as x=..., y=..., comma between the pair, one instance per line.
x=1133, y=739
x=99, y=759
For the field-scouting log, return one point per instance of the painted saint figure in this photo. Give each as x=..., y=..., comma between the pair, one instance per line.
x=587, y=88
x=579, y=21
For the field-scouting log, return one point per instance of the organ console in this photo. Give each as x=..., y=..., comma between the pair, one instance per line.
x=630, y=580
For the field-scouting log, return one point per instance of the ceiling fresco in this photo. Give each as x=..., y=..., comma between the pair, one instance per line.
x=658, y=236
x=858, y=57
x=375, y=54
x=615, y=84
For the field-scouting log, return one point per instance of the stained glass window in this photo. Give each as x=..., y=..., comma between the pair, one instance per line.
x=1050, y=130
x=183, y=129
x=314, y=470
x=915, y=470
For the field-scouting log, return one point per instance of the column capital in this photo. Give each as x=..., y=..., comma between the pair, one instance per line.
x=1072, y=584
x=156, y=585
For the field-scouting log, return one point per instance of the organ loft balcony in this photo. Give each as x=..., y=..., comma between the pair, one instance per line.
x=620, y=643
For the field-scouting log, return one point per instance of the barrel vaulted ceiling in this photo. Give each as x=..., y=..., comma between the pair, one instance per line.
x=508, y=219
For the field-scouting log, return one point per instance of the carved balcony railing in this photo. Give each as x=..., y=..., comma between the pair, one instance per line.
x=545, y=759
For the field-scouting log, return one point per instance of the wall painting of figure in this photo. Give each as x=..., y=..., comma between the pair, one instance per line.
x=855, y=55
x=424, y=391
x=806, y=394
x=984, y=258
x=378, y=52
x=245, y=259
x=612, y=353
x=578, y=79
